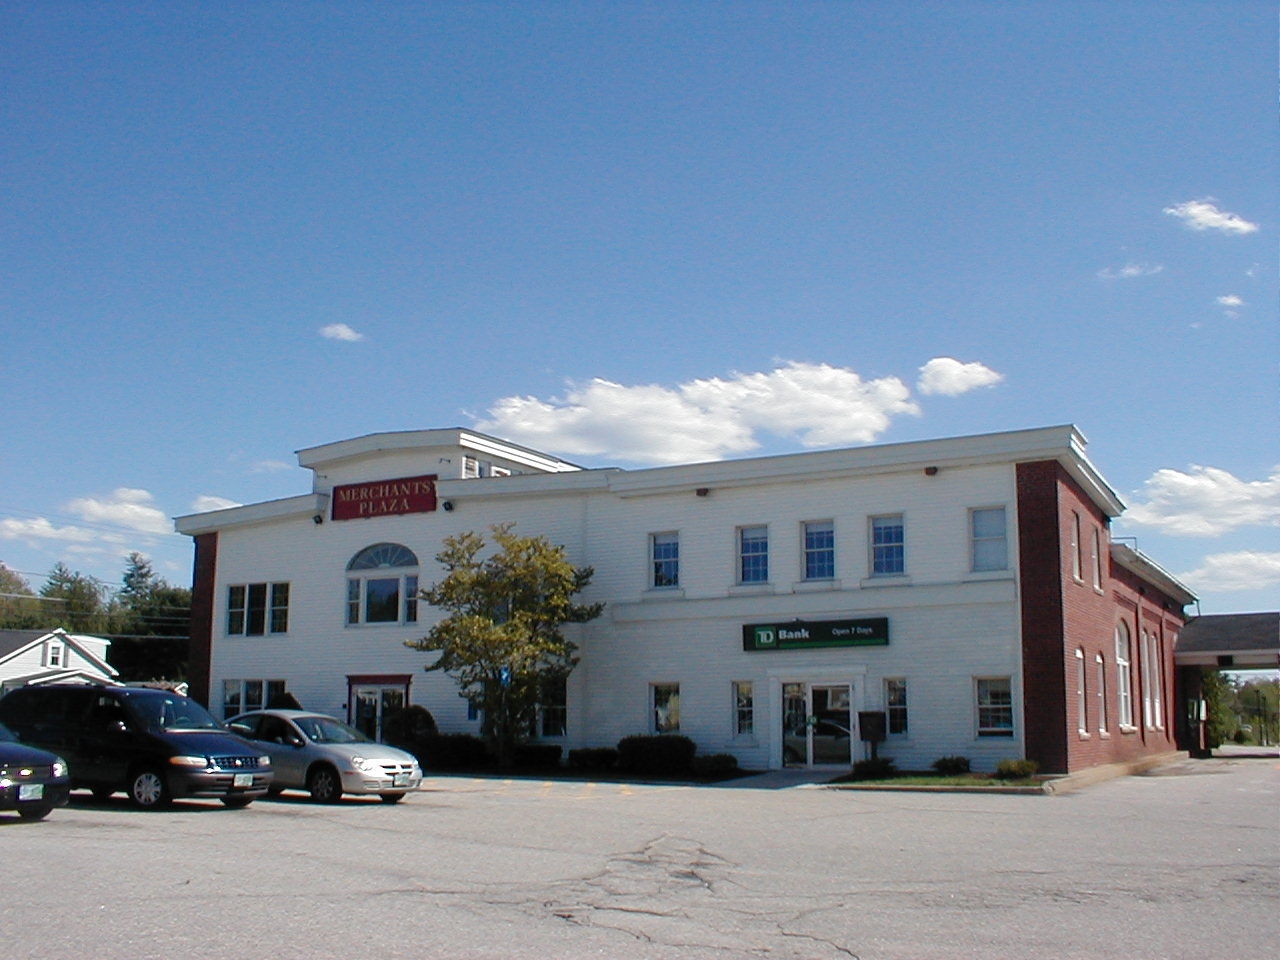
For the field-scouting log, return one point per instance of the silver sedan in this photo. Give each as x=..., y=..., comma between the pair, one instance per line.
x=326, y=757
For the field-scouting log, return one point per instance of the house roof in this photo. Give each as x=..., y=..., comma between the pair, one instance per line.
x=15, y=641
x=1231, y=640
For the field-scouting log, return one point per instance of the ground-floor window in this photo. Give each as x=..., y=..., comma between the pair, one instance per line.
x=665, y=699
x=240, y=696
x=551, y=718
x=895, y=703
x=994, y=697
x=744, y=721
x=1082, y=695
x=1102, y=693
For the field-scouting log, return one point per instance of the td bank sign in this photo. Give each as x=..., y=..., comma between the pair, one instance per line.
x=809, y=634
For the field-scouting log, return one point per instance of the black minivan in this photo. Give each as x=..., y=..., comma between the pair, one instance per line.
x=154, y=744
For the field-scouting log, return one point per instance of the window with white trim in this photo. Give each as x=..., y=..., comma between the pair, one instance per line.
x=1082, y=695
x=744, y=708
x=551, y=713
x=989, y=545
x=1097, y=559
x=888, y=546
x=753, y=554
x=820, y=550
x=1102, y=693
x=55, y=653
x=1077, y=548
x=240, y=696
x=994, y=700
x=257, y=609
x=895, y=704
x=664, y=701
x=664, y=560
x=1124, y=675
x=382, y=585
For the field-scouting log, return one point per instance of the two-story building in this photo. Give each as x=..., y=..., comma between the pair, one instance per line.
x=967, y=589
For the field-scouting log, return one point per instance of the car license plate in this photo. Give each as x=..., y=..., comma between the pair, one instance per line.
x=400, y=780
x=30, y=791
x=242, y=780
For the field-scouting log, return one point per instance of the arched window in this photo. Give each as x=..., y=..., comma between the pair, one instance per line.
x=1124, y=674
x=382, y=585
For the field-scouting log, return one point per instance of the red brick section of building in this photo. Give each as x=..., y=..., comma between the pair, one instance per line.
x=201, y=651
x=1077, y=590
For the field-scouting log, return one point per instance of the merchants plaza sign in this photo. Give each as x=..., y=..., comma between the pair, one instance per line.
x=384, y=498
x=809, y=634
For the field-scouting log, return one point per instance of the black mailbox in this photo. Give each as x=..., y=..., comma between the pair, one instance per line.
x=871, y=725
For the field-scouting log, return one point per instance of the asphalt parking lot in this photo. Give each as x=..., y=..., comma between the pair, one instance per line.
x=1181, y=863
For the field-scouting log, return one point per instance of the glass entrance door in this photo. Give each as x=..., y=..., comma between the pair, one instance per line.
x=817, y=724
x=372, y=706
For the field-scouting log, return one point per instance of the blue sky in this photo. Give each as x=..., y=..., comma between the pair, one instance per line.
x=630, y=234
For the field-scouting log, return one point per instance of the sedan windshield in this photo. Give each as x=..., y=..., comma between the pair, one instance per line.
x=329, y=730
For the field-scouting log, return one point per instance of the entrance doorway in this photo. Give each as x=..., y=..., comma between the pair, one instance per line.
x=373, y=705
x=817, y=724
x=373, y=699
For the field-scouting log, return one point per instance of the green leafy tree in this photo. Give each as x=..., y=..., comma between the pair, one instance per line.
x=501, y=638
x=19, y=606
x=1219, y=698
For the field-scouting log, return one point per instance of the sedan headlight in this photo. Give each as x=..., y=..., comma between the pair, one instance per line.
x=365, y=765
x=59, y=767
x=264, y=761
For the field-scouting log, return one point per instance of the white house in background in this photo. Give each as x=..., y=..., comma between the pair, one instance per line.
x=30, y=657
x=962, y=593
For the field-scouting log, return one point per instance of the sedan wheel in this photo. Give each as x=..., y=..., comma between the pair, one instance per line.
x=149, y=790
x=34, y=813
x=324, y=785
x=391, y=797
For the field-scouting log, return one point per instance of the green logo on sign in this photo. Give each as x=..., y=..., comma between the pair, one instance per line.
x=766, y=637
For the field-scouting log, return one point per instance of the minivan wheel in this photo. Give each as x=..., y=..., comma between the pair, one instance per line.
x=34, y=813
x=149, y=790
x=324, y=785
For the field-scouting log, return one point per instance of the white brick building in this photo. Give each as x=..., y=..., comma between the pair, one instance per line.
x=889, y=578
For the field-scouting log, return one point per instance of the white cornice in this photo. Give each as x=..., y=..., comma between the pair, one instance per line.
x=308, y=505
x=317, y=458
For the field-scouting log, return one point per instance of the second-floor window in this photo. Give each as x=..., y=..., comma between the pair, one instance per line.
x=753, y=554
x=819, y=550
x=255, y=609
x=888, y=546
x=988, y=540
x=664, y=557
x=382, y=585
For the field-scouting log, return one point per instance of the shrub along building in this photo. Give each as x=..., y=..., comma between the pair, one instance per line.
x=963, y=594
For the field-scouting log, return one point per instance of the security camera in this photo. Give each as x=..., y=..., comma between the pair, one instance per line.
x=448, y=506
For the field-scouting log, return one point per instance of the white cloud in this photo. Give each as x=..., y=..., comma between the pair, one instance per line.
x=705, y=419
x=340, y=331
x=1230, y=300
x=271, y=466
x=951, y=378
x=40, y=529
x=206, y=504
x=1130, y=270
x=1205, y=215
x=125, y=507
x=1206, y=502
x=1243, y=570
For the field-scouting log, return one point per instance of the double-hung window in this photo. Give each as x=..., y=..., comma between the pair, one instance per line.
x=995, y=706
x=989, y=545
x=665, y=699
x=664, y=559
x=753, y=554
x=819, y=550
x=895, y=702
x=888, y=546
x=382, y=585
x=255, y=609
x=743, y=708
x=239, y=696
x=1124, y=674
